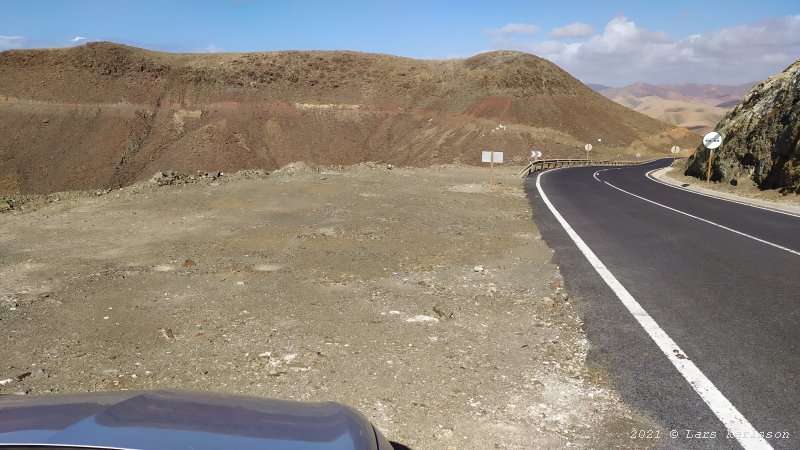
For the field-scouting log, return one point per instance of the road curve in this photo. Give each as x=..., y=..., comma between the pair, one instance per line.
x=720, y=279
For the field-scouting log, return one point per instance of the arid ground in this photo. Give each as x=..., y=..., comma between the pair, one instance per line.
x=422, y=297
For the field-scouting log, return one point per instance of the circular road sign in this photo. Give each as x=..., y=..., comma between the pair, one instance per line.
x=675, y=149
x=712, y=140
x=587, y=147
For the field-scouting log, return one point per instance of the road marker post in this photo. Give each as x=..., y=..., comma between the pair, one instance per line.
x=711, y=141
x=588, y=148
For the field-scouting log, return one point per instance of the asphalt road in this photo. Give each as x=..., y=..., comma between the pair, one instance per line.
x=726, y=293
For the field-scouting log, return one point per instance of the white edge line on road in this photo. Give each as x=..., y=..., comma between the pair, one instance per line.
x=786, y=249
x=734, y=421
x=765, y=208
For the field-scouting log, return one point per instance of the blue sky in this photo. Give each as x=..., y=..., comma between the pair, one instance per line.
x=612, y=43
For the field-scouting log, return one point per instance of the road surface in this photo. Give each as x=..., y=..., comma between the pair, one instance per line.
x=690, y=302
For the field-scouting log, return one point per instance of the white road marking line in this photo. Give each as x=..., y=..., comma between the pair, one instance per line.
x=786, y=249
x=733, y=420
x=765, y=208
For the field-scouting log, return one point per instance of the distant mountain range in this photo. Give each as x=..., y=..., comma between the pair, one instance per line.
x=698, y=107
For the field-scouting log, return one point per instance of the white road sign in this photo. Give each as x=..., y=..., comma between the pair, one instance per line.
x=587, y=147
x=712, y=140
x=488, y=156
x=675, y=149
x=536, y=154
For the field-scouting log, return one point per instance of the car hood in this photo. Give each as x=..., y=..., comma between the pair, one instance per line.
x=183, y=420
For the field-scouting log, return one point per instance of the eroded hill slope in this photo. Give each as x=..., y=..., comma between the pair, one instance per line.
x=105, y=115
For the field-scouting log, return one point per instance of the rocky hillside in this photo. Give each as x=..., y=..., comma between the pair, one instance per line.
x=762, y=137
x=104, y=115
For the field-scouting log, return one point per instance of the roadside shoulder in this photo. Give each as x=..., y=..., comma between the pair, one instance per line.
x=663, y=176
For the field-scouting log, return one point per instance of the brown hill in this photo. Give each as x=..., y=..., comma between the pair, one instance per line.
x=105, y=115
x=697, y=107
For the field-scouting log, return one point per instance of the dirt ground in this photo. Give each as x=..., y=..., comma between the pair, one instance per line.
x=422, y=297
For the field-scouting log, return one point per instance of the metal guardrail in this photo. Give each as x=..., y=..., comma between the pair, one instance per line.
x=544, y=164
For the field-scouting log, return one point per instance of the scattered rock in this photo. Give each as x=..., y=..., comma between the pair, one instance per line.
x=214, y=175
x=547, y=301
x=443, y=311
x=267, y=267
x=23, y=390
x=22, y=376
x=422, y=318
x=443, y=433
x=6, y=381
x=265, y=355
x=298, y=168
x=479, y=269
x=167, y=333
x=189, y=263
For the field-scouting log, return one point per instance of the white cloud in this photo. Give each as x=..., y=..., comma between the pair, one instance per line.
x=573, y=30
x=211, y=48
x=513, y=28
x=77, y=39
x=7, y=42
x=626, y=53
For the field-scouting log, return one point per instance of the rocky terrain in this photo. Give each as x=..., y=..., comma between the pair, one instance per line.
x=761, y=138
x=423, y=297
x=104, y=115
x=697, y=107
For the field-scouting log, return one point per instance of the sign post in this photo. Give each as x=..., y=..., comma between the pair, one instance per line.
x=675, y=150
x=491, y=157
x=588, y=148
x=711, y=141
x=638, y=155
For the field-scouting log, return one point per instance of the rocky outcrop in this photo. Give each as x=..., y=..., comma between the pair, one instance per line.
x=761, y=137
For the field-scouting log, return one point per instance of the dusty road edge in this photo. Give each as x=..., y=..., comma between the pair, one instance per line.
x=662, y=175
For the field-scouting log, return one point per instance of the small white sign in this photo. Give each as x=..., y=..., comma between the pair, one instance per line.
x=587, y=147
x=712, y=140
x=487, y=156
x=536, y=154
x=675, y=149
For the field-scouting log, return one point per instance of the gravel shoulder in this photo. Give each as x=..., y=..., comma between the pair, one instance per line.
x=745, y=191
x=422, y=297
